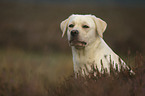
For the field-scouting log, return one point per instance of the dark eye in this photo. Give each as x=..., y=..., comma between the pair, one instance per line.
x=85, y=26
x=71, y=25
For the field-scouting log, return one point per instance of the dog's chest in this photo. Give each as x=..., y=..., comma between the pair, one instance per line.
x=82, y=60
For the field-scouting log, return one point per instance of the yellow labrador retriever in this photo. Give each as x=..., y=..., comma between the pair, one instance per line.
x=85, y=36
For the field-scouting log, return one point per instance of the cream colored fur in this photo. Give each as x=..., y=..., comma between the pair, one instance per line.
x=96, y=51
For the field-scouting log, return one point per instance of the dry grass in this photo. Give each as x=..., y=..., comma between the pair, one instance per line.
x=117, y=84
x=27, y=74
x=34, y=59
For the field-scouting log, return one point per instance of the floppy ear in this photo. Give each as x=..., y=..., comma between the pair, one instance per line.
x=63, y=26
x=100, y=25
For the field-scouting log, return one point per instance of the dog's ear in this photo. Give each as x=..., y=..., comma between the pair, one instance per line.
x=100, y=25
x=63, y=26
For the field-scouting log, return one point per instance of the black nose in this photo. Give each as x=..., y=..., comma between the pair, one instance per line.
x=74, y=32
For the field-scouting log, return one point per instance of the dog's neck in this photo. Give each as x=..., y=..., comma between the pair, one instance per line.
x=87, y=54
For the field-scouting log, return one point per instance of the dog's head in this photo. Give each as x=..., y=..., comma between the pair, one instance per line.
x=82, y=30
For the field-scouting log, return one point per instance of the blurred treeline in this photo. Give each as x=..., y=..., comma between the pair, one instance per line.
x=35, y=27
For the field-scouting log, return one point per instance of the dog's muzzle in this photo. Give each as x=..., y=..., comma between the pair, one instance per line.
x=75, y=40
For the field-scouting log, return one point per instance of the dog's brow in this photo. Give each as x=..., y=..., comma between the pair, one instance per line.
x=71, y=22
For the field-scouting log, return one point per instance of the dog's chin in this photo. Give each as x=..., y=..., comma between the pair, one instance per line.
x=78, y=44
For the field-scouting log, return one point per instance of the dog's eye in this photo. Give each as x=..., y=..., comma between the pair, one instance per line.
x=85, y=26
x=71, y=25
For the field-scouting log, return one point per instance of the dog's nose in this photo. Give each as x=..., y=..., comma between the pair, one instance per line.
x=74, y=32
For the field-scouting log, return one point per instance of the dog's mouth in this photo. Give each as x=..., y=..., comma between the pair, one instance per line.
x=77, y=44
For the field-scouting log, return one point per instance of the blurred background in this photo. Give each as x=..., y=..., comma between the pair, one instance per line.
x=31, y=47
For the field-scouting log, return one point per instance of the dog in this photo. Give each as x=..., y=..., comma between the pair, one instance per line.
x=85, y=36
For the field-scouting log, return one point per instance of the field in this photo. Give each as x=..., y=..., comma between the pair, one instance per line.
x=36, y=61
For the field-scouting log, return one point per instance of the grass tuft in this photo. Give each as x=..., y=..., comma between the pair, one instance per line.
x=117, y=84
